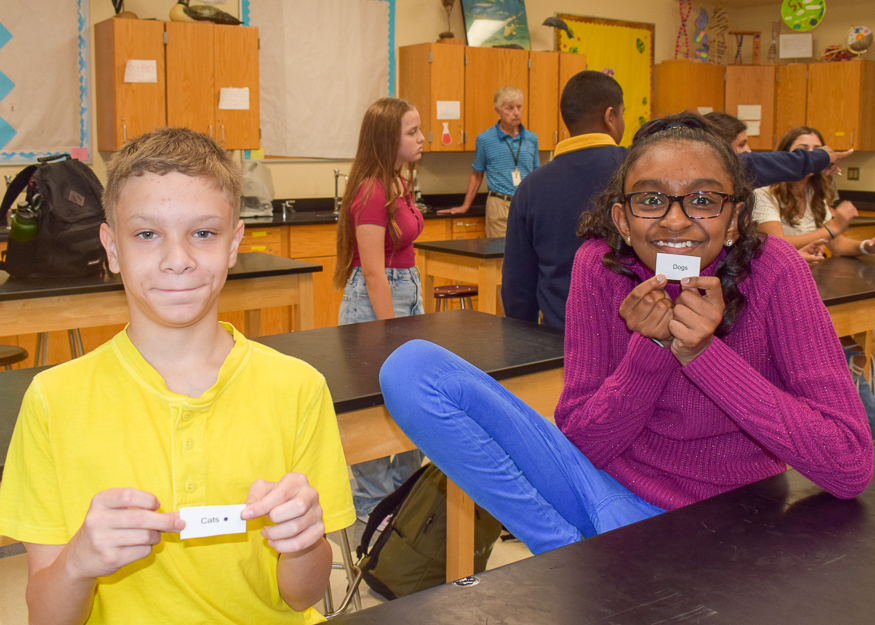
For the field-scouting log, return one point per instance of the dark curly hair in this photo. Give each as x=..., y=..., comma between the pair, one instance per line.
x=735, y=267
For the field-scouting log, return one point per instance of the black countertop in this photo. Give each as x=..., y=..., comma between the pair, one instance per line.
x=311, y=211
x=841, y=280
x=779, y=551
x=321, y=210
x=248, y=265
x=350, y=356
x=478, y=248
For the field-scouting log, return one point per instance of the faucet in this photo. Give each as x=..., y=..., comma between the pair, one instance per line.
x=337, y=197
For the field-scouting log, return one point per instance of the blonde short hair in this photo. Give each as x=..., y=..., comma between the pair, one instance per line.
x=506, y=94
x=166, y=150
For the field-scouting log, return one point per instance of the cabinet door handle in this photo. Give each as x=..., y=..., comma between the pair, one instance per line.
x=555, y=137
x=223, y=133
x=124, y=133
x=211, y=131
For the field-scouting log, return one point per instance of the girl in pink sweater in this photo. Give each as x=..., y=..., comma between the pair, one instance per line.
x=673, y=392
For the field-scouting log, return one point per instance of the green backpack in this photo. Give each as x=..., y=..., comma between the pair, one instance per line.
x=411, y=553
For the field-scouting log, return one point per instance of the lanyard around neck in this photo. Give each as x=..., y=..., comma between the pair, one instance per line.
x=516, y=157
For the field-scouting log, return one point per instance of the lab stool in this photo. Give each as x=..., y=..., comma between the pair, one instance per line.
x=442, y=295
x=42, y=346
x=11, y=354
x=353, y=579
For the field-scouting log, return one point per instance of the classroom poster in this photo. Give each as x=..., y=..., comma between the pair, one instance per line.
x=44, y=96
x=623, y=50
x=322, y=63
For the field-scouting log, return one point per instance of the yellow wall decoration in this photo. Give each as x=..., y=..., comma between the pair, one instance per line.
x=623, y=50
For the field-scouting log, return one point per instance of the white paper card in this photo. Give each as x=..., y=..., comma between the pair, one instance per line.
x=677, y=266
x=203, y=521
x=753, y=129
x=748, y=112
x=797, y=46
x=233, y=99
x=145, y=70
x=449, y=109
x=517, y=177
x=704, y=110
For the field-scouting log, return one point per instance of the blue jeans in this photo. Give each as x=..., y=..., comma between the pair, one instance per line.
x=375, y=479
x=406, y=288
x=509, y=459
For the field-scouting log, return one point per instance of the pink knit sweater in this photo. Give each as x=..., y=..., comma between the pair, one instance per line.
x=774, y=392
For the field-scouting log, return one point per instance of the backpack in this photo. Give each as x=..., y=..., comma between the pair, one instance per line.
x=411, y=553
x=68, y=242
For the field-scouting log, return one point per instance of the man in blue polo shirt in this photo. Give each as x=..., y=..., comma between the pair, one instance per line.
x=506, y=153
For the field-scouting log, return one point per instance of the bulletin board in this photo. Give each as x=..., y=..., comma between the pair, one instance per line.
x=623, y=50
x=44, y=94
x=321, y=64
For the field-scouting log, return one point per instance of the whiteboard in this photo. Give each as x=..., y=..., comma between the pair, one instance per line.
x=321, y=64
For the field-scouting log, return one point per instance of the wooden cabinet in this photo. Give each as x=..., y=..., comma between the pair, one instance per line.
x=127, y=109
x=429, y=73
x=791, y=98
x=753, y=85
x=197, y=61
x=487, y=69
x=548, y=74
x=468, y=227
x=569, y=65
x=317, y=243
x=841, y=103
x=543, y=102
x=685, y=85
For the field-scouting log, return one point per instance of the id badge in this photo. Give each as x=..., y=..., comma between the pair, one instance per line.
x=517, y=179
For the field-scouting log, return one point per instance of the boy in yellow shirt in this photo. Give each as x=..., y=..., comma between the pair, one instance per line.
x=178, y=410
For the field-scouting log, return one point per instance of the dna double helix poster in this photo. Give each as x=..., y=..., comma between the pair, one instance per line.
x=44, y=89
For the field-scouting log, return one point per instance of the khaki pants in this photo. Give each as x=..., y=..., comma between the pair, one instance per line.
x=496, y=216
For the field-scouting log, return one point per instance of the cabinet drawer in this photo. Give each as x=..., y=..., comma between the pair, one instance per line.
x=313, y=240
x=267, y=248
x=261, y=236
x=469, y=224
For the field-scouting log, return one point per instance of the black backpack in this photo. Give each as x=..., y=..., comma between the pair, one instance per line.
x=69, y=218
x=411, y=553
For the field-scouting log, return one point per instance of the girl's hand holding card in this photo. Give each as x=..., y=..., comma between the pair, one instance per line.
x=695, y=316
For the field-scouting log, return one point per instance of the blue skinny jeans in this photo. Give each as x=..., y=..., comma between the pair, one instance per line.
x=504, y=455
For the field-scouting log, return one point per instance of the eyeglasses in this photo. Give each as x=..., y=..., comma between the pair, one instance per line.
x=696, y=205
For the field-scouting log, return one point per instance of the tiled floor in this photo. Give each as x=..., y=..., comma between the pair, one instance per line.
x=13, y=580
x=503, y=553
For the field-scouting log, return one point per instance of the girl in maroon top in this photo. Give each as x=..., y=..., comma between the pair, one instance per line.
x=376, y=267
x=378, y=220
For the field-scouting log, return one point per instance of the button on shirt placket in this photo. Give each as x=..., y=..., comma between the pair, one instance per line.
x=188, y=457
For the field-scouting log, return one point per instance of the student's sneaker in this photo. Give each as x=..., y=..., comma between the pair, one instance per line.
x=854, y=357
